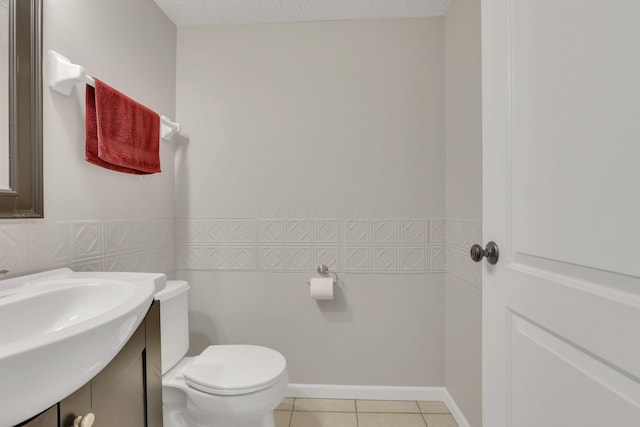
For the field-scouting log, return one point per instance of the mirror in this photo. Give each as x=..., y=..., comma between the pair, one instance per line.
x=21, y=194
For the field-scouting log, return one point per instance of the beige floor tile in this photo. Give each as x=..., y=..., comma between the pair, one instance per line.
x=323, y=419
x=286, y=404
x=324, y=405
x=433, y=407
x=404, y=406
x=390, y=420
x=282, y=418
x=440, y=420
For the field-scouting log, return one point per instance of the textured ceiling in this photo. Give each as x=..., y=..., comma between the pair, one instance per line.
x=217, y=12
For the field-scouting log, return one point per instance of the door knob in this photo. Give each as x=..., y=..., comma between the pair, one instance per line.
x=84, y=421
x=491, y=252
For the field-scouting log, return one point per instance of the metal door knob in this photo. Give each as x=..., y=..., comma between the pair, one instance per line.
x=491, y=252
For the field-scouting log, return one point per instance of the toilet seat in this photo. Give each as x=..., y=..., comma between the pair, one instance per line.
x=235, y=369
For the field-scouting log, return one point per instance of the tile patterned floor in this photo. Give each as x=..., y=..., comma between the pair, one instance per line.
x=362, y=413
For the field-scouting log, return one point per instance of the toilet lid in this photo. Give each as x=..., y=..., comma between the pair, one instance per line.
x=235, y=369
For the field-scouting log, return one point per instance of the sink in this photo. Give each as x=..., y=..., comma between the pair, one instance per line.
x=58, y=329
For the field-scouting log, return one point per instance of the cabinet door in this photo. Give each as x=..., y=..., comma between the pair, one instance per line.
x=116, y=396
x=153, y=366
x=48, y=418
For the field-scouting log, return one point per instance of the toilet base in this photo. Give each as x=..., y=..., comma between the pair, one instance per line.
x=175, y=417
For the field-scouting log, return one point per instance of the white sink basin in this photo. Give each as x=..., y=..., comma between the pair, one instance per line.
x=59, y=329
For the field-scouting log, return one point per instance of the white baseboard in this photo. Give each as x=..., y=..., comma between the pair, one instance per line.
x=455, y=411
x=362, y=392
x=323, y=391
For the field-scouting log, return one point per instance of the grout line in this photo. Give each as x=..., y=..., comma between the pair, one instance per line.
x=293, y=405
x=424, y=420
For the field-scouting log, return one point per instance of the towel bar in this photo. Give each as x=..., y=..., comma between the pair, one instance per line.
x=64, y=75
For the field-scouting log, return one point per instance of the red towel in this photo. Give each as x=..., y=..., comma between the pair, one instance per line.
x=122, y=134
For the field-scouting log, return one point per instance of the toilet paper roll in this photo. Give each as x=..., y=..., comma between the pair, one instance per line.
x=321, y=288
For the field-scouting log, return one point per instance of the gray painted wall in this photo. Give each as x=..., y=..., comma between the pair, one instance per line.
x=304, y=122
x=96, y=218
x=130, y=46
x=463, y=325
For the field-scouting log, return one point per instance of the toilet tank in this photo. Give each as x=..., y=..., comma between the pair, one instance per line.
x=174, y=322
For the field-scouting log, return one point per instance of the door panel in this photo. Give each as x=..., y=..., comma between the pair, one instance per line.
x=556, y=383
x=575, y=102
x=561, y=157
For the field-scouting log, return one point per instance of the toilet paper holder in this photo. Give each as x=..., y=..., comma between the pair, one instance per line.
x=323, y=270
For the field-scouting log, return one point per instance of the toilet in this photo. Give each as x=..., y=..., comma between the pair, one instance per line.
x=224, y=386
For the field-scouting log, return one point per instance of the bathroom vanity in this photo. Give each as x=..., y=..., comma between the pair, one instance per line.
x=127, y=392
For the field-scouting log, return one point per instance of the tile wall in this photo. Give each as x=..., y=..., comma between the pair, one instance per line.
x=461, y=235
x=425, y=245
x=88, y=245
x=396, y=245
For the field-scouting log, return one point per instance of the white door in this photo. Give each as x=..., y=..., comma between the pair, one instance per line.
x=561, y=117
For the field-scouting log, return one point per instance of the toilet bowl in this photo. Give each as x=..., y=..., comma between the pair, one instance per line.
x=224, y=386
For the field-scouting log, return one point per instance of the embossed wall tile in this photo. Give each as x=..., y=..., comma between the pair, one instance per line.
x=141, y=234
x=243, y=258
x=449, y=265
x=163, y=232
x=87, y=239
x=475, y=233
x=213, y=231
x=327, y=231
x=115, y=236
x=173, y=258
x=120, y=262
x=459, y=264
x=243, y=231
x=212, y=257
x=187, y=257
x=476, y=272
x=161, y=259
x=188, y=231
x=299, y=258
x=413, y=259
x=463, y=233
x=357, y=231
x=203, y=231
x=93, y=264
x=272, y=258
x=437, y=230
x=437, y=259
x=385, y=259
x=452, y=232
x=13, y=248
x=271, y=231
x=49, y=245
x=413, y=231
x=299, y=231
x=357, y=259
x=327, y=255
x=143, y=261
x=385, y=231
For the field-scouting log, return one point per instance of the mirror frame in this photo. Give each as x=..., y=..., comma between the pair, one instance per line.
x=24, y=198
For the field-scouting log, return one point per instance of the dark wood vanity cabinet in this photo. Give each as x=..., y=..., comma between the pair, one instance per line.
x=127, y=392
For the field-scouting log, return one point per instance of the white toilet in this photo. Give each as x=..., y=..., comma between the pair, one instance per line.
x=225, y=386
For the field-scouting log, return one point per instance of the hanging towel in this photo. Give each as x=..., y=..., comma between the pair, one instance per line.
x=122, y=134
